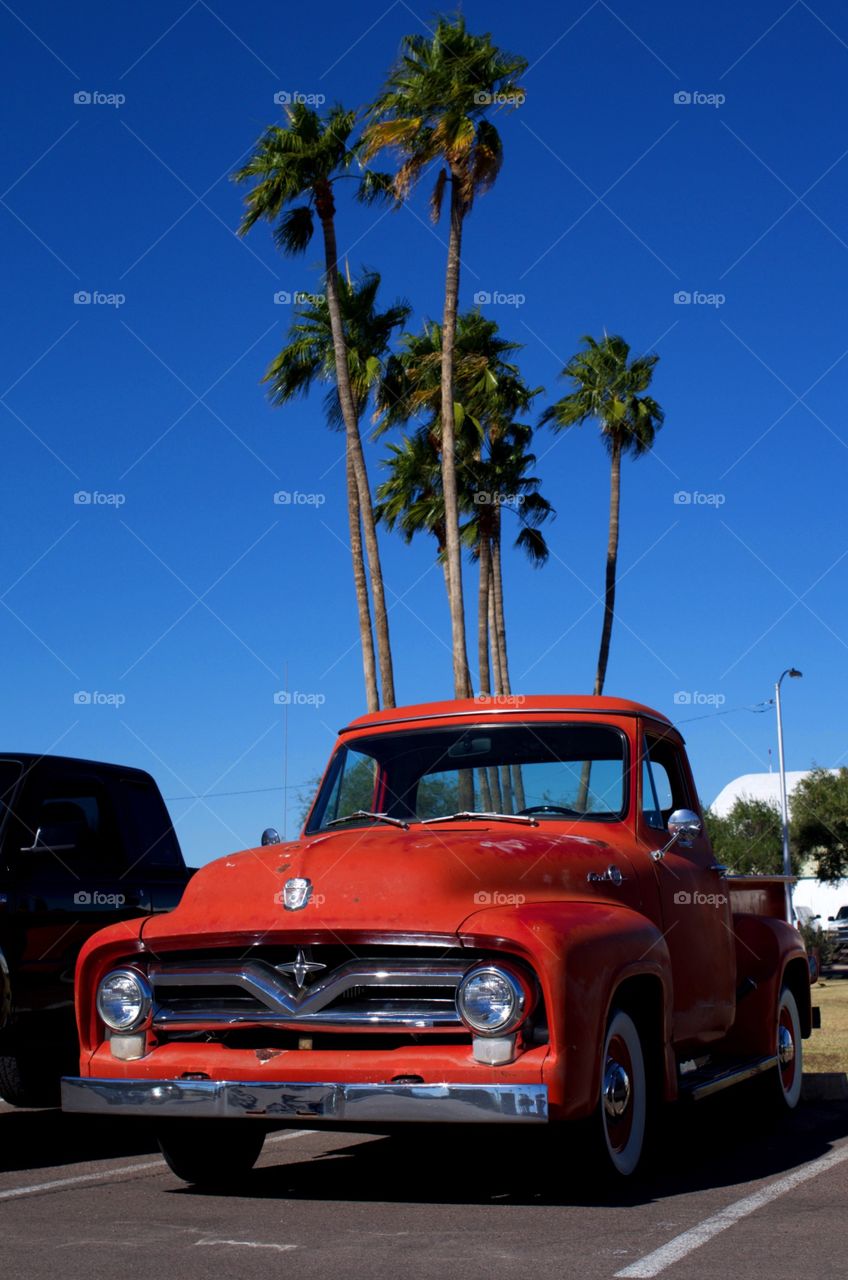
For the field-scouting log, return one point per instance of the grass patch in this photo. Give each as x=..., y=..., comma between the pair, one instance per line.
x=827, y=1049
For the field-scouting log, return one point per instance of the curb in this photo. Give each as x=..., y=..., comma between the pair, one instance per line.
x=825, y=1086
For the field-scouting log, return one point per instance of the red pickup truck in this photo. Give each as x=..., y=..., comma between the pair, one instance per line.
x=499, y=911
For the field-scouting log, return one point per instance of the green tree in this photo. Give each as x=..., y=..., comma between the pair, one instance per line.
x=294, y=170
x=434, y=111
x=820, y=821
x=609, y=388
x=748, y=839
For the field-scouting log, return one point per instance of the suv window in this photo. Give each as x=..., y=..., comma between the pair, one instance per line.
x=74, y=820
x=150, y=838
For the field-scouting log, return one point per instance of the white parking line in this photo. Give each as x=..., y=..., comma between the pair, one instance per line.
x=653, y=1263
x=58, y=1183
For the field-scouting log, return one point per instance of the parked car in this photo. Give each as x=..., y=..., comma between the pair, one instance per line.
x=501, y=913
x=838, y=922
x=82, y=845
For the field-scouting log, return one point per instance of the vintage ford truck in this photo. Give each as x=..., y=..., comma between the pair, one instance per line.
x=499, y=911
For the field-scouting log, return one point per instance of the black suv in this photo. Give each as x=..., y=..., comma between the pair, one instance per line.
x=82, y=845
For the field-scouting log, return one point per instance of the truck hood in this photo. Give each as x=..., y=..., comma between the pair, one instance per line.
x=386, y=880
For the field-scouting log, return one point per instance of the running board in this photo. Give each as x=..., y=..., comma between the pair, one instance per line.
x=703, y=1085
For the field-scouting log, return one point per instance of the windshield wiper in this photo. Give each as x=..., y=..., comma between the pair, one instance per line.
x=377, y=817
x=484, y=817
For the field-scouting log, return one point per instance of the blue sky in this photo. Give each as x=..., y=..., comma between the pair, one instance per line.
x=193, y=597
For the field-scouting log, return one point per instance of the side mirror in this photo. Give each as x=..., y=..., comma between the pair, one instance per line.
x=271, y=836
x=831, y=917
x=684, y=823
x=683, y=826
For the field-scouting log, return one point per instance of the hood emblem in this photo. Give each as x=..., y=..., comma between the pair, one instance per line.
x=300, y=968
x=296, y=893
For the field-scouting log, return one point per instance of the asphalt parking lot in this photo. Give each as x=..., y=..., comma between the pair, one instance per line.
x=730, y=1194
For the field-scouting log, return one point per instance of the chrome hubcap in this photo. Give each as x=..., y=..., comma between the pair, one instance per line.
x=785, y=1046
x=616, y=1090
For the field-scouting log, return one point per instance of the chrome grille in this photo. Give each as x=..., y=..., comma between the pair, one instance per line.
x=413, y=993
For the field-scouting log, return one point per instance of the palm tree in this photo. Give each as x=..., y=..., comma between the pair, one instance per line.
x=434, y=112
x=488, y=392
x=494, y=481
x=609, y=390
x=294, y=168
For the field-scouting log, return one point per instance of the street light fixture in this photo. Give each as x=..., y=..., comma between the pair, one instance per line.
x=793, y=674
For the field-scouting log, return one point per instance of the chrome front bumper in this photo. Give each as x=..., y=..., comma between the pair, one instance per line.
x=355, y=1103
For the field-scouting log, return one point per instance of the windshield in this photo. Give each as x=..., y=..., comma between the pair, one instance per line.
x=562, y=772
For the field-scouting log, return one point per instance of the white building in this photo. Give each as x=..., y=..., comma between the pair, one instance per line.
x=757, y=786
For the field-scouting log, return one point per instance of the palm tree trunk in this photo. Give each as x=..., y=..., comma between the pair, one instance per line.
x=499, y=638
x=372, y=696
x=497, y=679
x=375, y=570
x=612, y=562
x=326, y=210
x=461, y=677
x=609, y=606
x=483, y=562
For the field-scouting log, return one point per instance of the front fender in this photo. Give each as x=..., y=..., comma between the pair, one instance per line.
x=99, y=954
x=5, y=993
x=583, y=953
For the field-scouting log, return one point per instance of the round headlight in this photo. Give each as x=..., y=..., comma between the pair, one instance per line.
x=492, y=1001
x=124, y=1000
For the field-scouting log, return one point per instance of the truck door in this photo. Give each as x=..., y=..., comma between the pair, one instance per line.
x=66, y=882
x=696, y=918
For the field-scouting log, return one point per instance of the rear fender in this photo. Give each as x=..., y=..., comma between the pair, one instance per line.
x=588, y=958
x=770, y=953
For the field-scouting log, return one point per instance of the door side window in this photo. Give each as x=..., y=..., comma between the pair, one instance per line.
x=664, y=786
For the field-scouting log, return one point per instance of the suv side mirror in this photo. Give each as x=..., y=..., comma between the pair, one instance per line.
x=271, y=836
x=63, y=837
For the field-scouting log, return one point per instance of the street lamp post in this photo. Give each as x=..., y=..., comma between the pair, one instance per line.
x=793, y=674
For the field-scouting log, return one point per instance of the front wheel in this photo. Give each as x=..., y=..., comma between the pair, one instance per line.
x=211, y=1153
x=27, y=1083
x=623, y=1104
